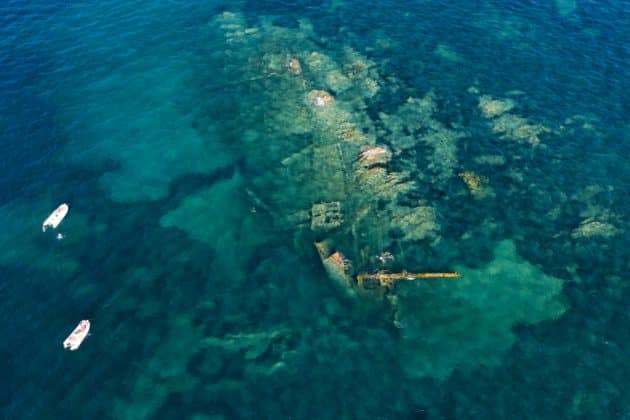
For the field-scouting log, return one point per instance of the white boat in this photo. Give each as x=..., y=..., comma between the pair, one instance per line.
x=77, y=336
x=56, y=217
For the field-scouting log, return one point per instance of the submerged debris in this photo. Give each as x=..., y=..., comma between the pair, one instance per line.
x=338, y=267
x=389, y=279
x=377, y=155
x=350, y=134
x=385, y=257
x=382, y=184
x=376, y=284
x=295, y=67
x=320, y=98
x=326, y=216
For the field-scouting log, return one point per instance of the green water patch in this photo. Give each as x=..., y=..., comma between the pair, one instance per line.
x=141, y=132
x=163, y=372
x=467, y=322
x=222, y=217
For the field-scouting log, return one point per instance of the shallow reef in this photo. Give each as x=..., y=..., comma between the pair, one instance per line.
x=283, y=205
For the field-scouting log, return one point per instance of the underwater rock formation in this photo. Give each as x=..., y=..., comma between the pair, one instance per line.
x=166, y=372
x=494, y=107
x=295, y=67
x=591, y=227
x=477, y=185
x=416, y=223
x=598, y=221
x=510, y=125
x=414, y=125
x=518, y=128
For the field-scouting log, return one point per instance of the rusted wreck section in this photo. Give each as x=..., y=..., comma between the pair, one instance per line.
x=336, y=265
x=340, y=269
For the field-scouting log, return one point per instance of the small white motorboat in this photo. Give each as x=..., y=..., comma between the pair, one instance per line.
x=56, y=217
x=77, y=336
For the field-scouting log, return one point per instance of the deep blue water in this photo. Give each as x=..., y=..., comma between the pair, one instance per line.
x=190, y=154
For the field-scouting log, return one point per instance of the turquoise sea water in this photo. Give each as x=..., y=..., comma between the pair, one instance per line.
x=191, y=151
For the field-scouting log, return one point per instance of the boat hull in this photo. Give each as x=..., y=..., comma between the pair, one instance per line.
x=76, y=337
x=56, y=217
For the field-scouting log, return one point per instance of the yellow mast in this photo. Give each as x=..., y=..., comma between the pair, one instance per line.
x=388, y=279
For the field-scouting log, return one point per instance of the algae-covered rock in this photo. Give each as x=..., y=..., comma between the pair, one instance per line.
x=350, y=134
x=518, y=128
x=413, y=115
x=328, y=115
x=356, y=65
x=414, y=126
x=370, y=87
x=319, y=98
x=377, y=155
x=509, y=125
x=529, y=133
x=377, y=182
x=295, y=67
x=494, y=107
x=443, y=142
x=477, y=185
x=590, y=227
x=337, y=82
x=362, y=71
x=320, y=64
x=416, y=223
x=328, y=176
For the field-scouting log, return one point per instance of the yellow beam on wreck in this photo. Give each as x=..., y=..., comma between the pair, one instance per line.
x=388, y=279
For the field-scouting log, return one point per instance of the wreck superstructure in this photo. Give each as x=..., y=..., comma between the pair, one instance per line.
x=335, y=183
